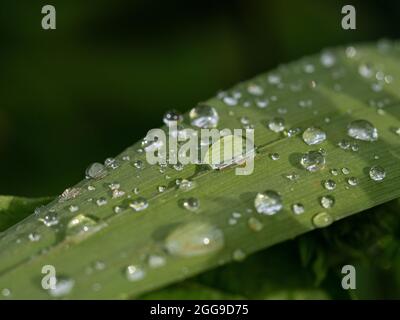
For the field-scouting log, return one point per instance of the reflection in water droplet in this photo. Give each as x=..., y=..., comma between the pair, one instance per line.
x=268, y=202
x=194, y=239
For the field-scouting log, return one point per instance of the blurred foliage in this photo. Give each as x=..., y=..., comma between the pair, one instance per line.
x=85, y=91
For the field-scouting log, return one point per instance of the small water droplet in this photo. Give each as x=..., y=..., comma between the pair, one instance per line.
x=327, y=202
x=255, y=224
x=292, y=176
x=194, y=239
x=81, y=224
x=172, y=117
x=322, y=219
x=313, y=161
x=329, y=184
x=5, y=292
x=377, y=173
x=69, y=194
x=327, y=59
x=34, y=237
x=274, y=156
x=314, y=135
x=139, y=204
x=161, y=189
x=204, y=116
x=101, y=201
x=365, y=70
x=187, y=185
x=191, y=204
x=50, y=219
x=118, y=209
x=239, y=255
x=73, y=208
x=268, y=202
x=345, y=171
x=276, y=124
x=62, y=288
x=362, y=130
x=352, y=181
x=298, y=208
x=135, y=273
x=156, y=261
x=334, y=172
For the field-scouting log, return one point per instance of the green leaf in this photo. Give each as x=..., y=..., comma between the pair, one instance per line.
x=308, y=94
x=15, y=209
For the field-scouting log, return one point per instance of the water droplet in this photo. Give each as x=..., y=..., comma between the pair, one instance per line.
x=377, y=173
x=327, y=59
x=73, y=208
x=365, y=70
x=187, y=185
x=34, y=237
x=117, y=193
x=111, y=163
x=101, y=201
x=313, y=161
x=230, y=101
x=81, y=224
x=329, y=184
x=194, y=239
x=352, y=181
x=204, y=116
x=397, y=131
x=239, y=255
x=327, y=202
x=50, y=219
x=274, y=156
x=172, y=117
x=292, y=176
x=298, y=208
x=191, y=204
x=344, y=144
x=255, y=224
x=5, y=292
x=95, y=171
x=156, y=261
x=334, y=172
x=268, y=202
x=345, y=171
x=314, y=135
x=138, y=164
x=161, y=189
x=135, y=273
x=255, y=89
x=62, y=288
x=118, y=209
x=276, y=124
x=139, y=204
x=322, y=219
x=362, y=130
x=69, y=194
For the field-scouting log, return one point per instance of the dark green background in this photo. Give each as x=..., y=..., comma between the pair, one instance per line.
x=95, y=85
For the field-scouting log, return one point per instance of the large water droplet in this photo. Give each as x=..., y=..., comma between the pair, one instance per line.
x=95, y=171
x=314, y=135
x=362, y=130
x=313, y=161
x=322, y=219
x=268, y=202
x=194, y=239
x=204, y=116
x=377, y=173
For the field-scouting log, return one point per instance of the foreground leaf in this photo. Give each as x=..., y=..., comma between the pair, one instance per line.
x=306, y=93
